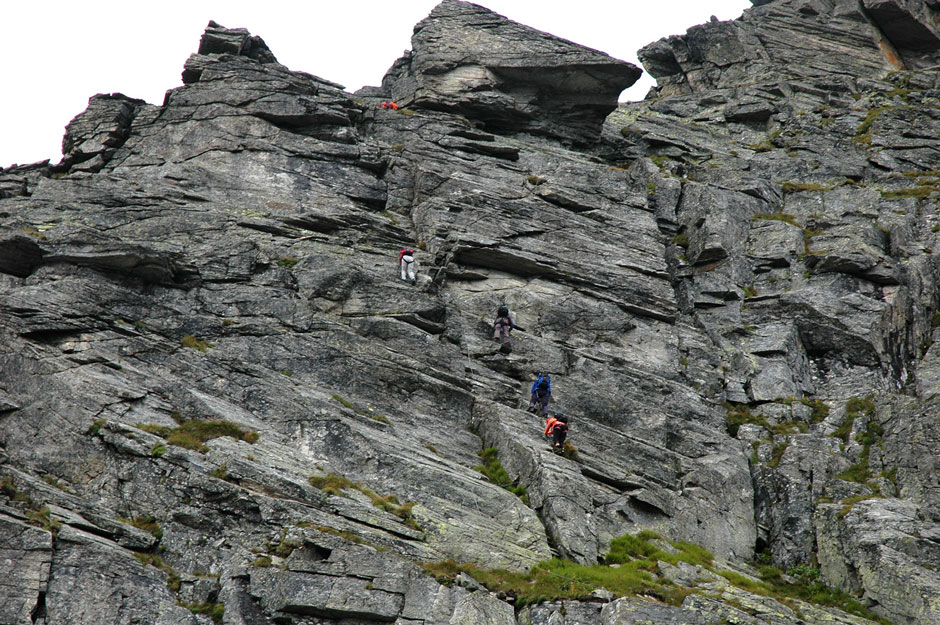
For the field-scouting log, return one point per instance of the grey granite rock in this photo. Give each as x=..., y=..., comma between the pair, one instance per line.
x=469, y=60
x=26, y=555
x=880, y=551
x=732, y=284
x=93, y=136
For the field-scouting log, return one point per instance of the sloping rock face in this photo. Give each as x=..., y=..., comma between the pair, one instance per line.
x=732, y=285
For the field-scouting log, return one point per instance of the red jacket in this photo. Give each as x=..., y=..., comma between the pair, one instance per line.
x=550, y=425
x=405, y=250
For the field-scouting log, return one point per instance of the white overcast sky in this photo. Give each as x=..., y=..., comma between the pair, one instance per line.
x=59, y=53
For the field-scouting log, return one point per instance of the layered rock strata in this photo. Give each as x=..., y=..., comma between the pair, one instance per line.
x=731, y=283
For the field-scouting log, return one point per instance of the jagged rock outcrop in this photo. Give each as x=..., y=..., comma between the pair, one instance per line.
x=219, y=401
x=94, y=135
x=507, y=77
x=813, y=47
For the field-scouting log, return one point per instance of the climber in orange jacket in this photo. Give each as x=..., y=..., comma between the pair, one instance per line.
x=556, y=426
x=550, y=424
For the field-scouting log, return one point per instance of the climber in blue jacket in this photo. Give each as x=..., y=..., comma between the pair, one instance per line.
x=541, y=393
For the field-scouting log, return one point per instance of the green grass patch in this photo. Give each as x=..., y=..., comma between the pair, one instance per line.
x=351, y=537
x=899, y=92
x=570, y=452
x=860, y=471
x=739, y=414
x=849, y=502
x=557, y=579
x=146, y=523
x=820, y=410
x=33, y=233
x=52, y=481
x=9, y=490
x=854, y=408
x=333, y=484
x=935, y=321
x=808, y=235
x=193, y=434
x=631, y=547
x=920, y=192
x=536, y=180
x=42, y=517
x=287, y=261
x=215, y=611
x=927, y=173
x=748, y=584
x=631, y=568
x=789, y=427
x=342, y=401
x=284, y=548
x=806, y=587
x=193, y=343
x=681, y=239
x=863, y=132
x=493, y=469
x=890, y=474
x=769, y=573
x=635, y=572
x=173, y=581
x=763, y=146
x=160, y=430
x=776, y=454
x=790, y=186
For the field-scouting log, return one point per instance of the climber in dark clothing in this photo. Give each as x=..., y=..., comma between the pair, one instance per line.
x=503, y=325
x=541, y=393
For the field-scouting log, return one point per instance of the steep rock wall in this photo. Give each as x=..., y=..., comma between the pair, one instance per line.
x=732, y=285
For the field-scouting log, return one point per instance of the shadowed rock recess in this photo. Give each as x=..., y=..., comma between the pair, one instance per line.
x=218, y=402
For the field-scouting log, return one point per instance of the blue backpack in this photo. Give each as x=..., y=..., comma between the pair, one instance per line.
x=543, y=385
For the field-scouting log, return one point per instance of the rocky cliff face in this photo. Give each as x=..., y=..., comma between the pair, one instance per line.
x=219, y=401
